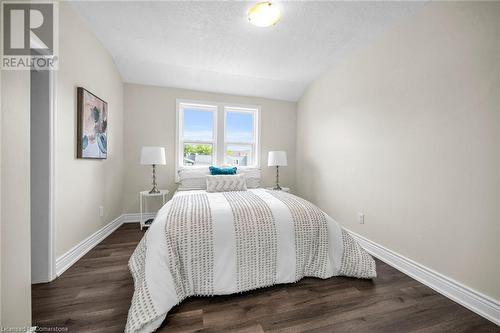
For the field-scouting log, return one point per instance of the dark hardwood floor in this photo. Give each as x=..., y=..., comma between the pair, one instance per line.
x=94, y=296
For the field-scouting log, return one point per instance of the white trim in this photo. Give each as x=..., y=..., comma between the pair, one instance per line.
x=475, y=301
x=255, y=144
x=52, y=175
x=73, y=255
x=218, y=144
x=69, y=258
x=136, y=217
x=179, y=134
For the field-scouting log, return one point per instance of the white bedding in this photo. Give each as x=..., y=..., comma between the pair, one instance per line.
x=223, y=243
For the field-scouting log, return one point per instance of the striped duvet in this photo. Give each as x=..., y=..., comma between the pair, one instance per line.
x=222, y=243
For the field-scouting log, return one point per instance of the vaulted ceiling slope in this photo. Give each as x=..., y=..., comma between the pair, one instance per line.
x=210, y=46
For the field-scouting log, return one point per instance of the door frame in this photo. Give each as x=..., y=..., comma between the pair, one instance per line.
x=52, y=175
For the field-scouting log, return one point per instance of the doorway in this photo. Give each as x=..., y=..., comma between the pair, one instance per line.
x=42, y=175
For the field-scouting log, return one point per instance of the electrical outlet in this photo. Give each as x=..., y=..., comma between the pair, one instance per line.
x=101, y=211
x=361, y=218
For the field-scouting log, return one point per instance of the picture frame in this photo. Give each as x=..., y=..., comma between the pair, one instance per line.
x=92, y=126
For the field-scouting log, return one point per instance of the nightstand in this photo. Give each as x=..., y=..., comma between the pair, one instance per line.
x=143, y=196
x=283, y=189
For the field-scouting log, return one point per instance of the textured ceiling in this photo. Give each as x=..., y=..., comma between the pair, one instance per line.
x=210, y=46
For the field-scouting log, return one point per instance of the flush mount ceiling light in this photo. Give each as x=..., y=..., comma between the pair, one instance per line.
x=264, y=14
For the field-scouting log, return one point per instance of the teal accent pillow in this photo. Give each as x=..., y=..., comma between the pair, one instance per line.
x=222, y=171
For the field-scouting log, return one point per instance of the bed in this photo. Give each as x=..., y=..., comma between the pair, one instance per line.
x=203, y=244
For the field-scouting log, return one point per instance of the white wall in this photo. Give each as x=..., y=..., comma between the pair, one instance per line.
x=15, y=199
x=1, y=228
x=407, y=130
x=83, y=185
x=1, y=232
x=150, y=120
x=40, y=117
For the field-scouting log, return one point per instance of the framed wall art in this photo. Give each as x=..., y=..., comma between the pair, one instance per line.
x=92, y=126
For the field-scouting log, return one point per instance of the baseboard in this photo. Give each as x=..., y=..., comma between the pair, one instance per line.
x=69, y=258
x=469, y=298
x=135, y=217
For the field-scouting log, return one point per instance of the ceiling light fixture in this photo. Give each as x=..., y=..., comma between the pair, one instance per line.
x=264, y=14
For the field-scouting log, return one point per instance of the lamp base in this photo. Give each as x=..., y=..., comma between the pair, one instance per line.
x=277, y=187
x=154, y=190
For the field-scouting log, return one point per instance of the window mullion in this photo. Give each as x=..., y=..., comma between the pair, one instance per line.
x=220, y=135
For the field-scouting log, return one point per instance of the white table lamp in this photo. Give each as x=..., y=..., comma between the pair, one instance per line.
x=153, y=156
x=277, y=159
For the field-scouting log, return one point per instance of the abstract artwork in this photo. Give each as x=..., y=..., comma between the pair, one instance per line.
x=92, y=125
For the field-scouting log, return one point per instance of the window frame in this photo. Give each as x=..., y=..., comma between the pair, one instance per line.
x=219, y=132
x=180, y=131
x=255, y=151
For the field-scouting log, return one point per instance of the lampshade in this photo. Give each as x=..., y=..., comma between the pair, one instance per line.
x=153, y=155
x=277, y=158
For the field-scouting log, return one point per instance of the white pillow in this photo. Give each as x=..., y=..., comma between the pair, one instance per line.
x=252, y=176
x=193, y=179
x=226, y=183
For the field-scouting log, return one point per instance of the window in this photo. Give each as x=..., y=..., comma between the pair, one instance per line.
x=216, y=134
x=198, y=134
x=239, y=140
